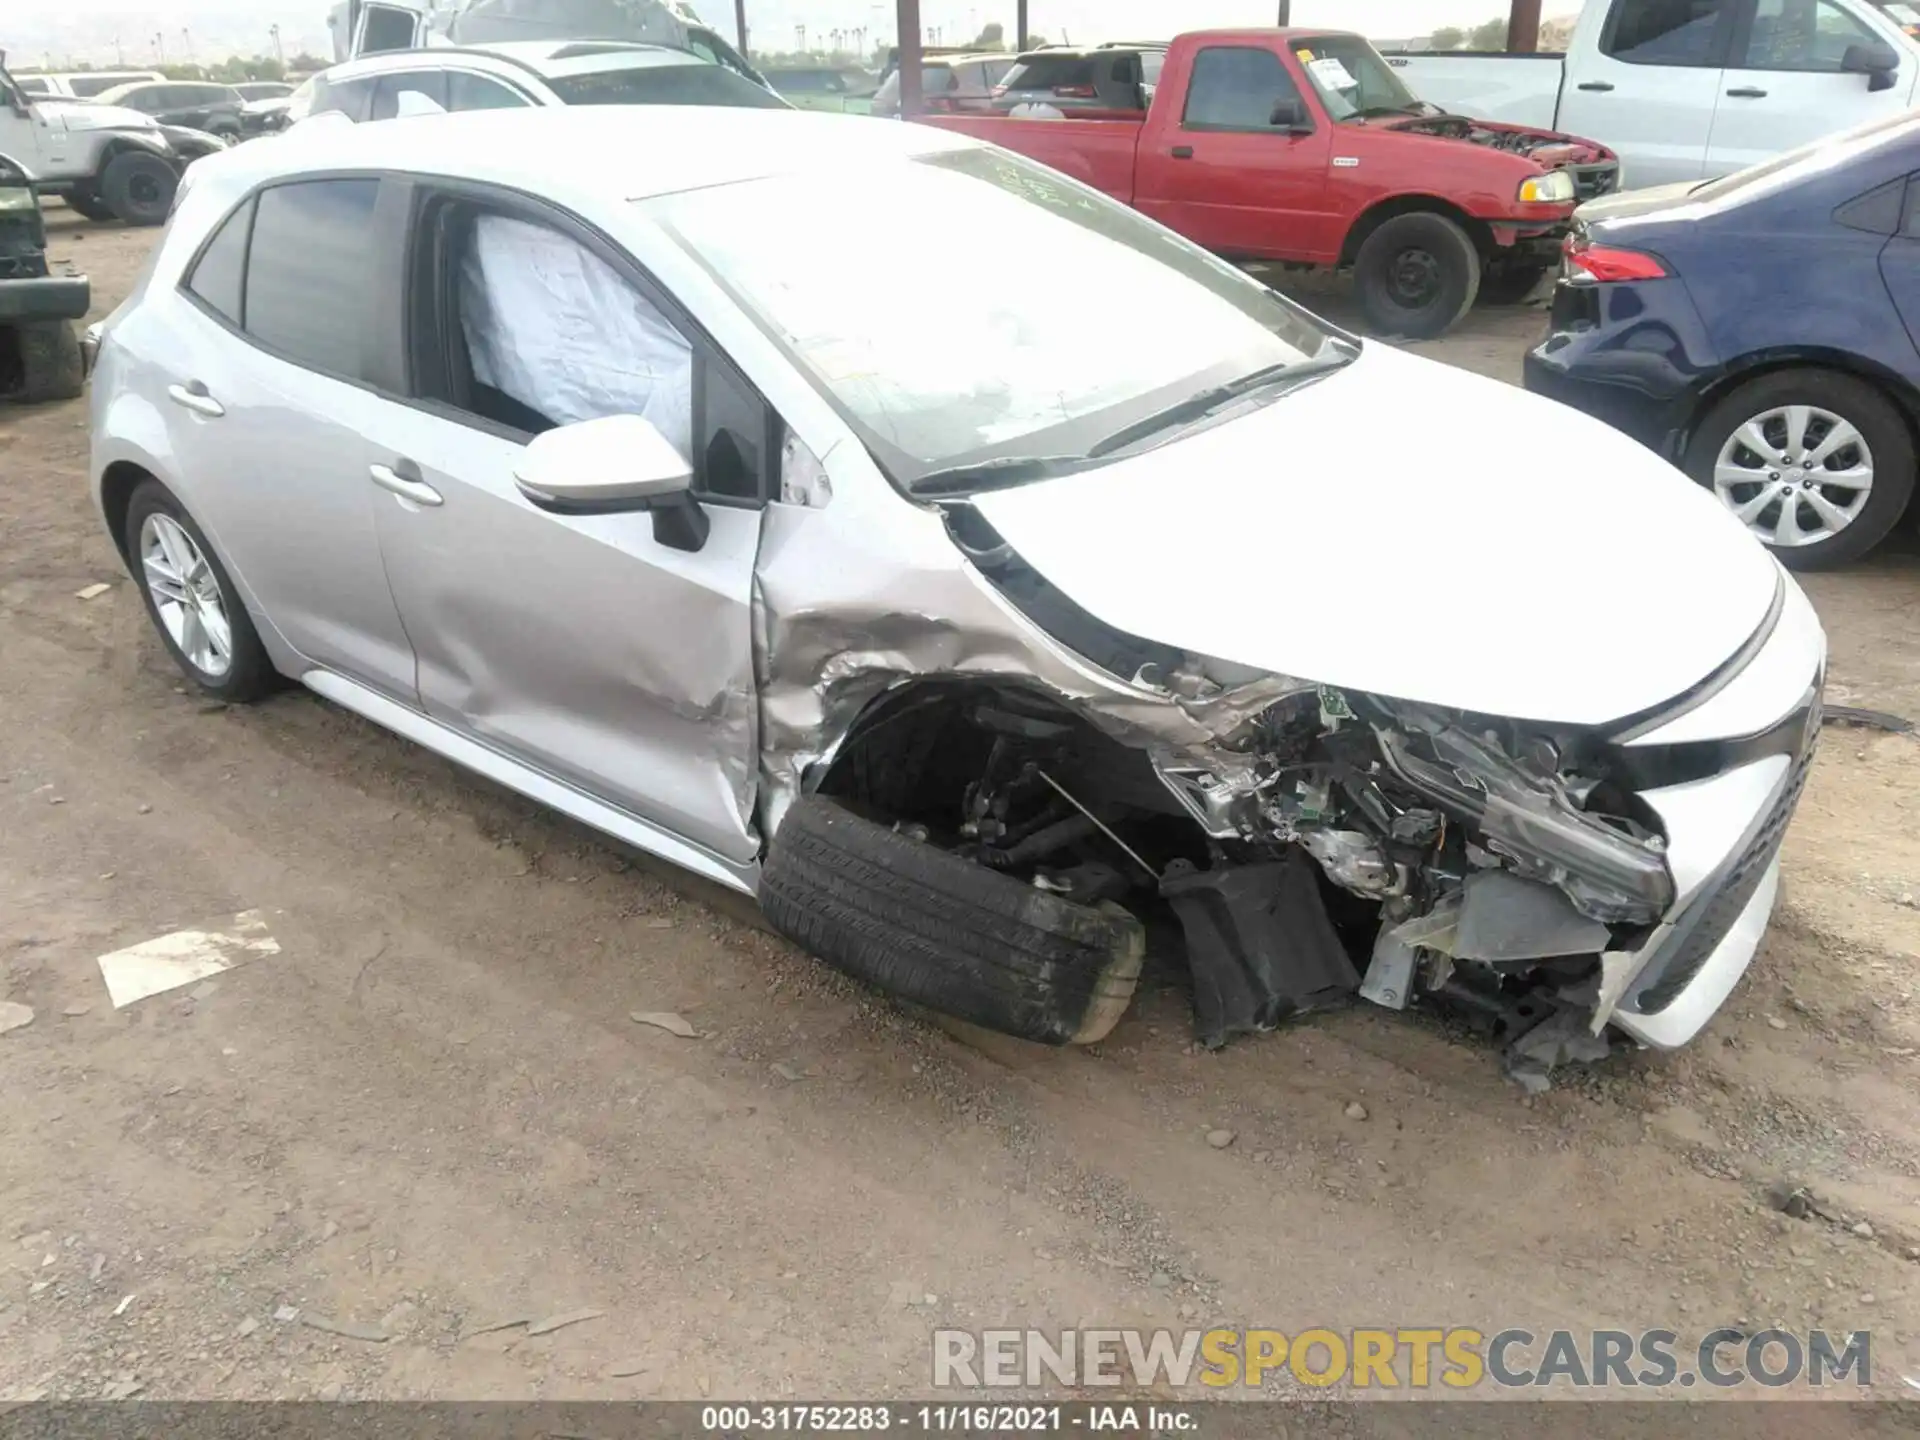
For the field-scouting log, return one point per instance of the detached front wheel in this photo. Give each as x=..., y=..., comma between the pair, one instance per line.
x=939, y=930
x=1416, y=275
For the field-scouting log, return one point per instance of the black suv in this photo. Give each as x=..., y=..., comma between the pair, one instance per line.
x=193, y=104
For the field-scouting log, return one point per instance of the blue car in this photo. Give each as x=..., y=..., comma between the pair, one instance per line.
x=1760, y=331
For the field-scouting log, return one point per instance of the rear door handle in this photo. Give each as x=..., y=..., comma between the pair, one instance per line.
x=1183, y=152
x=1594, y=85
x=193, y=396
x=403, y=479
x=1748, y=92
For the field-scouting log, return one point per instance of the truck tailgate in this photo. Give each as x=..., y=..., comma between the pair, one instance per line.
x=1516, y=89
x=1099, y=153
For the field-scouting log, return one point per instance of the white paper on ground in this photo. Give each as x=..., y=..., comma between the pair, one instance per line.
x=167, y=962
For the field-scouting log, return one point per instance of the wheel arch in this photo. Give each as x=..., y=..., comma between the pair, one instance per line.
x=1903, y=393
x=1413, y=203
x=118, y=145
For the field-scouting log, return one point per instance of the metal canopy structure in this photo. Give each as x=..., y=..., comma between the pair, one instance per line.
x=1523, y=35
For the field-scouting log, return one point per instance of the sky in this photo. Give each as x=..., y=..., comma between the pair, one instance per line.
x=91, y=29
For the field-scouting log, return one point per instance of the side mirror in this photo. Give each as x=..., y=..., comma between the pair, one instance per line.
x=614, y=465
x=1878, y=62
x=1291, y=116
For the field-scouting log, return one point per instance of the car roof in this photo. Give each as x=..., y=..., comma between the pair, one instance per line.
x=549, y=59
x=636, y=151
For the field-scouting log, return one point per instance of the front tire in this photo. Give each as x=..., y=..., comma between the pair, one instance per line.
x=939, y=930
x=192, y=601
x=50, y=364
x=138, y=187
x=1818, y=465
x=1416, y=275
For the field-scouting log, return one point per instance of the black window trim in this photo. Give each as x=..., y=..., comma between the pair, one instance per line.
x=1299, y=94
x=1719, y=51
x=423, y=193
x=1748, y=13
x=370, y=361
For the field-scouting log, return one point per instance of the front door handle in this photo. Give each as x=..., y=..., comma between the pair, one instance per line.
x=1183, y=152
x=1748, y=92
x=1595, y=85
x=403, y=479
x=193, y=396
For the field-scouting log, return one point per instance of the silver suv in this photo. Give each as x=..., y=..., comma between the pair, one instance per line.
x=523, y=73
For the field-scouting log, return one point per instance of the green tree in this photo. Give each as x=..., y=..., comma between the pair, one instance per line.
x=992, y=36
x=1448, y=37
x=1490, y=36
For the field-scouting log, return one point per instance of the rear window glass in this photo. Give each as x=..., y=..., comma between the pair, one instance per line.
x=88, y=86
x=221, y=270
x=312, y=259
x=666, y=85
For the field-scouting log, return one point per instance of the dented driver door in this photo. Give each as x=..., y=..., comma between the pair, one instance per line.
x=583, y=646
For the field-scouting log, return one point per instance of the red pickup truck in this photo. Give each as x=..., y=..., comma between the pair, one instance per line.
x=1305, y=147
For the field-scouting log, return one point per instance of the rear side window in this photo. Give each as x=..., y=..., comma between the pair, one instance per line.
x=1052, y=72
x=1236, y=88
x=220, y=273
x=431, y=84
x=311, y=261
x=1150, y=63
x=1667, y=32
x=475, y=92
x=351, y=98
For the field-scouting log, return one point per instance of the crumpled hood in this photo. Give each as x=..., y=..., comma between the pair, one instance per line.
x=1414, y=531
x=78, y=115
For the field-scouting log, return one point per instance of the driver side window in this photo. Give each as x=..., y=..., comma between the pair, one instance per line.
x=532, y=329
x=1237, y=88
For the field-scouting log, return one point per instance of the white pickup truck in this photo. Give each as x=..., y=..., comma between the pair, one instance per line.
x=1693, y=89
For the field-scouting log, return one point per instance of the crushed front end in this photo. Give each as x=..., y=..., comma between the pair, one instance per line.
x=1549, y=882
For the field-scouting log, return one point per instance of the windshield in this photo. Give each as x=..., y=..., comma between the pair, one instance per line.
x=1904, y=13
x=701, y=84
x=1062, y=317
x=1351, y=79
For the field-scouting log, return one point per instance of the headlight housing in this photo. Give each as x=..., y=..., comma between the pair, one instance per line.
x=1555, y=188
x=15, y=198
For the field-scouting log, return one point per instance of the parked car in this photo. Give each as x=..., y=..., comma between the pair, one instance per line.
x=110, y=163
x=1085, y=84
x=957, y=84
x=1759, y=331
x=551, y=442
x=372, y=27
x=523, y=73
x=198, y=106
x=39, y=352
x=837, y=89
x=1693, y=89
x=80, y=84
x=1303, y=146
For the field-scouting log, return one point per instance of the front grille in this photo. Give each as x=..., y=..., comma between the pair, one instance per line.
x=1593, y=181
x=1713, y=914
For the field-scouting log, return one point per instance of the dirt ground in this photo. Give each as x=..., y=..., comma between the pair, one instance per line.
x=429, y=1112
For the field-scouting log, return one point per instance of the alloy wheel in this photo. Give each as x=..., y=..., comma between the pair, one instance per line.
x=1795, y=474
x=186, y=595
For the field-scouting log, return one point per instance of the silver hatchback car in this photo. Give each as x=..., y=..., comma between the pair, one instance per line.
x=611, y=455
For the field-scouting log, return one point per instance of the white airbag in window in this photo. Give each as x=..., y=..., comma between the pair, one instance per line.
x=551, y=325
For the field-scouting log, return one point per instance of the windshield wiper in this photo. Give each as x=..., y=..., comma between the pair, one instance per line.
x=1000, y=474
x=1198, y=407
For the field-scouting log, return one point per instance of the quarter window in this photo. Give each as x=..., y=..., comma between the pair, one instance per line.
x=311, y=261
x=475, y=92
x=219, y=276
x=430, y=84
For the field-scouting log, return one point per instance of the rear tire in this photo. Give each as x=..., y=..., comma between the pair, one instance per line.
x=1885, y=443
x=50, y=365
x=138, y=187
x=938, y=930
x=1416, y=275
x=248, y=674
